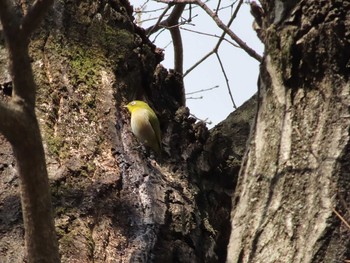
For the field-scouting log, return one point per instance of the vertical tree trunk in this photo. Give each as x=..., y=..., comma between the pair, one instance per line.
x=18, y=123
x=296, y=170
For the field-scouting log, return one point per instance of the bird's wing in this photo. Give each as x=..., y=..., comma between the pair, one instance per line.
x=156, y=127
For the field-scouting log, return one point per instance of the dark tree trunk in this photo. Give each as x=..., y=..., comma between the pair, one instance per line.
x=114, y=203
x=296, y=170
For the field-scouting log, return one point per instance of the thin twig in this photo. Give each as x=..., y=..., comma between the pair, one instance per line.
x=190, y=13
x=205, y=120
x=341, y=218
x=198, y=62
x=226, y=79
x=194, y=98
x=141, y=10
x=158, y=34
x=149, y=19
x=149, y=31
x=209, y=35
x=234, y=15
x=251, y=52
x=222, y=37
x=228, y=6
x=202, y=90
x=217, y=7
x=166, y=46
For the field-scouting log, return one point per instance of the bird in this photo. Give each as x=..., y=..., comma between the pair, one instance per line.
x=145, y=124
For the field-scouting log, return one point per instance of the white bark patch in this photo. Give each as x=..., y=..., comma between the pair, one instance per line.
x=277, y=83
x=289, y=225
x=238, y=225
x=259, y=138
x=286, y=137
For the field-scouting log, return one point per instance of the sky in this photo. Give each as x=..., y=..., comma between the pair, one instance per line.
x=242, y=70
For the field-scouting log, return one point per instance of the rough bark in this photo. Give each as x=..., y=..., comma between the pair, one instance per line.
x=113, y=201
x=296, y=170
x=18, y=123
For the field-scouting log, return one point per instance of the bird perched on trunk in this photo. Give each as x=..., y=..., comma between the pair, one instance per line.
x=145, y=124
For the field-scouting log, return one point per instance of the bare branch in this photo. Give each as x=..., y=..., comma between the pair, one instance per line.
x=156, y=26
x=234, y=37
x=17, y=35
x=19, y=125
x=226, y=79
x=178, y=49
x=202, y=90
x=172, y=23
x=251, y=52
x=199, y=62
x=20, y=68
x=205, y=120
x=215, y=51
x=228, y=6
x=209, y=35
x=158, y=34
x=16, y=29
x=34, y=16
x=341, y=218
x=194, y=98
x=222, y=37
x=217, y=7
x=229, y=24
x=9, y=20
x=173, y=19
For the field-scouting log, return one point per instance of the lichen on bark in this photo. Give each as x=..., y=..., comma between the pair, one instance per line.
x=112, y=201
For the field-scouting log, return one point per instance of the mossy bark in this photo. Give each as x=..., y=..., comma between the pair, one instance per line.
x=113, y=201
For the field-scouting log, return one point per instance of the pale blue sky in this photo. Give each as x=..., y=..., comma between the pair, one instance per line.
x=242, y=70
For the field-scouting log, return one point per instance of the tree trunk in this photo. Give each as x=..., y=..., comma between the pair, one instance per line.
x=296, y=170
x=113, y=201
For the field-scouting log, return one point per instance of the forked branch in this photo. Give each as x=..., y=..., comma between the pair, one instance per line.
x=172, y=23
x=19, y=125
x=251, y=52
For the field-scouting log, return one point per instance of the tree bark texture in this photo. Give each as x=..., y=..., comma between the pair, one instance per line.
x=296, y=170
x=113, y=202
x=19, y=125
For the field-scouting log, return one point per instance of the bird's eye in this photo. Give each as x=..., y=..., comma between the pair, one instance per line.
x=133, y=103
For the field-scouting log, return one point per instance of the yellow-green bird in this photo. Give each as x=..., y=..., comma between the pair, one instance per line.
x=145, y=124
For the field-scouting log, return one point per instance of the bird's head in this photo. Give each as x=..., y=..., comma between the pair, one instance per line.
x=136, y=104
